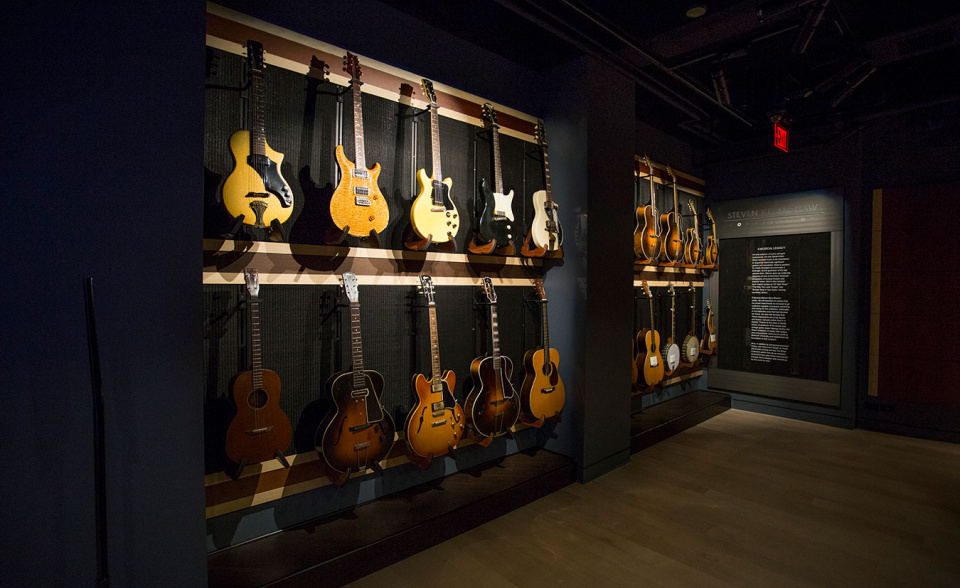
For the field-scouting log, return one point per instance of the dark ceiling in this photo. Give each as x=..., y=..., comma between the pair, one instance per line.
x=828, y=64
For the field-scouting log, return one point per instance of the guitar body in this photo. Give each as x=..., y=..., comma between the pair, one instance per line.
x=671, y=246
x=652, y=359
x=496, y=220
x=691, y=248
x=710, y=252
x=493, y=406
x=645, y=239
x=260, y=428
x=436, y=423
x=541, y=394
x=440, y=222
x=349, y=207
x=358, y=432
x=691, y=348
x=709, y=343
x=261, y=199
x=541, y=217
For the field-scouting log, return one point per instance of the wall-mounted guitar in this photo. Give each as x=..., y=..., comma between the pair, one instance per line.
x=260, y=431
x=357, y=206
x=496, y=226
x=541, y=395
x=255, y=192
x=711, y=253
x=646, y=237
x=671, y=230
x=492, y=406
x=691, y=240
x=545, y=234
x=648, y=342
x=434, y=216
x=670, y=352
x=435, y=424
x=690, y=350
x=708, y=346
x=358, y=433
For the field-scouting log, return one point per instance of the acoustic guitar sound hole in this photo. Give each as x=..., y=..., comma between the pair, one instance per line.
x=257, y=399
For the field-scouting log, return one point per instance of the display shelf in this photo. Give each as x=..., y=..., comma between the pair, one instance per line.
x=662, y=276
x=660, y=421
x=292, y=264
x=689, y=184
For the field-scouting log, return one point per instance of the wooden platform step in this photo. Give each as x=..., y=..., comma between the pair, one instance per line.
x=341, y=548
x=660, y=421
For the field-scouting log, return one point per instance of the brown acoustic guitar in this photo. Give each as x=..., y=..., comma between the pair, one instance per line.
x=493, y=405
x=541, y=395
x=260, y=431
x=357, y=204
x=358, y=433
x=671, y=232
x=436, y=423
x=708, y=345
x=646, y=237
x=648, y=340
x=691, y=241
x=711, y=252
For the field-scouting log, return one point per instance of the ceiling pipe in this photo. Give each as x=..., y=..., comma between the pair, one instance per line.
x=853, y=86
x=810, y=27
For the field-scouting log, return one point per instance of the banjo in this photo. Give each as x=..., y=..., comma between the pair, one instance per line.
x=691, y=344
x=670, y=350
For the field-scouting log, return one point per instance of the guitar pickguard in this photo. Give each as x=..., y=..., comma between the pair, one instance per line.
x=272, y=180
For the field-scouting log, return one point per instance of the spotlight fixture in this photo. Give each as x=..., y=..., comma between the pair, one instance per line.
x=696, y=11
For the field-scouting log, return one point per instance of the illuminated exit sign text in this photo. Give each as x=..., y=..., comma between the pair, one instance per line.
x=781, y=136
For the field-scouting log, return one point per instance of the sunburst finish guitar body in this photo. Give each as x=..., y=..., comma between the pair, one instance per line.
x=646, y=237
x=671, y=233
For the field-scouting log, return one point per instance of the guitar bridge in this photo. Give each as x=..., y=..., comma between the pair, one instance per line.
x=260, y=431
x=439, y=423
x=360, y=446
x=547, y=390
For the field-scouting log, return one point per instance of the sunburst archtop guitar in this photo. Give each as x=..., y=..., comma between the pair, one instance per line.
x=542, y=394
x=357, y=204
x=671, y=233
x=255, y=190
x=691, y=240
x=646, y=237
x=711, y=252
x=433, y=213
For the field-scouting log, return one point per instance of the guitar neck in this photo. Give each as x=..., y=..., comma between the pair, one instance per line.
x=546, y=330
x=359, y=155
x=434, y=348
x=693, y=313
x=435, y=143
x=546, y=179
x=355, y=345
x=495, y=330
x=255, y=344
x=653, y=203
x=497, y=172
x=651, y=314
x=257, y=137
x=673, y=318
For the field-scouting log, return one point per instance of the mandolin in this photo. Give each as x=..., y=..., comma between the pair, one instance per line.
x=260, y=431
x=541, y=394
x=545, y=231
x=709, y=344
x=357, y=203
x=435, y=424
x=690, y=350
x=357, y=433
x=691, y=241
x=671, y=234
x=712, y=251
x=496, y=220
x=255, y=190
x=433, y=214
x=646, y=237
x=649, y=341
x=492, y=406
x=670, y=351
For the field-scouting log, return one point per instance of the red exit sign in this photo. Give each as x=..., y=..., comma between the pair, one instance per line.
x=781, y=136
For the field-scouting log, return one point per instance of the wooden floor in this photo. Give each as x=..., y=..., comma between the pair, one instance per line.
x=740, y=500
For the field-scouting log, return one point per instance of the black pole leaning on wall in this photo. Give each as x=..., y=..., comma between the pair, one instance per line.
x=99, y=462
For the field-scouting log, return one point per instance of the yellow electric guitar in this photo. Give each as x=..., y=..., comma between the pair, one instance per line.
x=433, y=213
x=255, y=191
x=357, y=205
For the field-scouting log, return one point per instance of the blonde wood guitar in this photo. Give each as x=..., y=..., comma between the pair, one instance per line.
x=649, y=341
x=542, y=394
x=357, y=204
x=433, y=213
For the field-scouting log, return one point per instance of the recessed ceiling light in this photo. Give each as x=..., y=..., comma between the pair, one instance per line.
x=696, y=11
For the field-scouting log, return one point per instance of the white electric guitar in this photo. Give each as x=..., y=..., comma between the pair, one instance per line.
x=433, y=213
x=545, y=232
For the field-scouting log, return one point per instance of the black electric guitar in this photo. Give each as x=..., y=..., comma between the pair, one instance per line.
x=255, y=190
x=496, y=220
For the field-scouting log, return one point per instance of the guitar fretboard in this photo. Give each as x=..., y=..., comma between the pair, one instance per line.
x=255, y=344
x=257, y=136
x=356, y=346
x=435, y=149
x=546, y=329
x=359, y=154
x=546, y=179
x=495, y=329
x=434, y=348
x=497, y=172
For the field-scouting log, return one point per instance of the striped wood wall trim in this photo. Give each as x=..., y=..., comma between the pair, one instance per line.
x=228, y=30
x=874, y=364
x=663, y=276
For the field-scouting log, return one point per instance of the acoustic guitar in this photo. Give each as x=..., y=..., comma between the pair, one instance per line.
x=493, y=405
x=648, y=340
x=646, y=237
x=357, y=433
x=496, y=219
x=691, y=241
x=670, y=351
x=433, y=213
x=671, y=232
x=435, y=423
x=541, y=394
x=357, y=203
x=255, y=190
x=545, y=231
x=260, y=431
x=690, y=349
x=709, y=344
x=711, y=252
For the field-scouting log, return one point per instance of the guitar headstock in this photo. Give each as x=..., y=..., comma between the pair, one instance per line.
x=255, y=55
x=489, y=291
x=541, y=134
x=709, y=214
x=426, y=288
x=252, y=280
x=490, y=115
x=673, y=176
x=538, y=284
x=646, y=289
x=709, y=307
x=350, y=287
x=670, y=289
x=428, y=91
x=646, y=162
x=691, y=288
x=351, y=65
x=690, y=206
x=319, y=69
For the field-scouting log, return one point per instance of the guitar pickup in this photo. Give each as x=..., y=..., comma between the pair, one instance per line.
x=362, y=201
x=360, y=173
x=360, y=393
x=260, y=431
x=437, y=406
x=439, y=423
x=360, y=446
x=547, y=390
x=356, y=428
